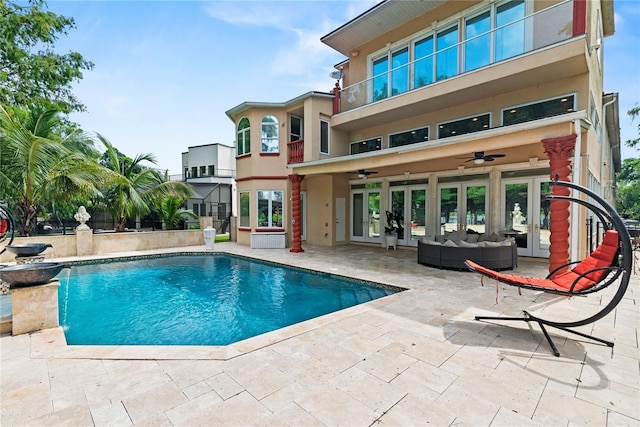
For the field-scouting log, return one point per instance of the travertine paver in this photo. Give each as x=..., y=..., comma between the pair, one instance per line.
x=417, y=357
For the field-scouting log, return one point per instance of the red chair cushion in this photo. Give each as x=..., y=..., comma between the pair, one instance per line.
x=603, y=256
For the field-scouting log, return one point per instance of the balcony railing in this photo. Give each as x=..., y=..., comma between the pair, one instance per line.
x=535, y=31
x=218, y=173
x=296, y=151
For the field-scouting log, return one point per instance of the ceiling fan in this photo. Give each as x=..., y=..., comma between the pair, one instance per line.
x=479, y=157
x=364, y=173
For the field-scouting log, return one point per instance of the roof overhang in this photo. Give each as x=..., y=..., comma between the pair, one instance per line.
x=248, y=104
x=431, y=150
x=608, y=18
x=373, y=23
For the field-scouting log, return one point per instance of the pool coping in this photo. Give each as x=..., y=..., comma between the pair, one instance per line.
x=52, y=343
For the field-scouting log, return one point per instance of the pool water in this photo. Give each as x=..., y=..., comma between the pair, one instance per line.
x=196, y=300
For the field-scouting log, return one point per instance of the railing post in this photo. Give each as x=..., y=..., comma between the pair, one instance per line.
x=590, y=234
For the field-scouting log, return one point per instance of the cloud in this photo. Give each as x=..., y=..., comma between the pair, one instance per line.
x=249, y=13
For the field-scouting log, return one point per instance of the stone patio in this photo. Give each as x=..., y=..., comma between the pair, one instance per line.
x=414, y=358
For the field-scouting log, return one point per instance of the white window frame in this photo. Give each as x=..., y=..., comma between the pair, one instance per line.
x=269, y=139
x=240, y=224
x=270, y=210
x=240, y=150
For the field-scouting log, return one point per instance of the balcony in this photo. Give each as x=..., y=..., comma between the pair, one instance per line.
x=296, y=151
x=428, y=76
x=220, y=175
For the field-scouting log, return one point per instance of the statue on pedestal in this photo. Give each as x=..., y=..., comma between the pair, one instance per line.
x=82, y=216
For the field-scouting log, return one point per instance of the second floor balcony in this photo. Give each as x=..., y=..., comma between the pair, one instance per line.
x=438, y=59
x=295, y=151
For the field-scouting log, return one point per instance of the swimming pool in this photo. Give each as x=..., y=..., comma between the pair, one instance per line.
x=209, y=299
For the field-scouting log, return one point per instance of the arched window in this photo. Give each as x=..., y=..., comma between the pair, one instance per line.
x=244, y=136
x=269, y=135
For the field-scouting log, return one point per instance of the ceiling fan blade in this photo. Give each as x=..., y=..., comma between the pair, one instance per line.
x=491, y=157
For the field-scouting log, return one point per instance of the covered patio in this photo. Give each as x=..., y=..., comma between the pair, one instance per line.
x=412, y=358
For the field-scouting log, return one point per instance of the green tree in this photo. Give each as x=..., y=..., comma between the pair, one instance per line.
x=38, y=166
x=628, y=189
x=628, y=179
x=634, y=113
x=173, y=213
x=136, y=188
x=30, y=70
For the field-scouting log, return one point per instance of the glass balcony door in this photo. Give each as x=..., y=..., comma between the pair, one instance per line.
x=463, y=206
x=365, y=216
x=411, y=203
x=526, y=212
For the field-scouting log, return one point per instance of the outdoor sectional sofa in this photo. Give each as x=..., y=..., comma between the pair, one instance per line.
x=452, y=249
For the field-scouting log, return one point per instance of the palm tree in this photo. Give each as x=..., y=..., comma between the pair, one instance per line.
x=135, y=187
x=42, y=165
x=173, y=213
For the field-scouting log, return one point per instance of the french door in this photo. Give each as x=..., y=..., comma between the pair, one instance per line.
x=411, y=204
x=526, y=212
x=463, y=206
x=366, y=216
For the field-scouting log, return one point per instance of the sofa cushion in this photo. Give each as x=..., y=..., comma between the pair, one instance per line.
x=465, y=244
x=426, y=239
x=492, y=244
x=483, y=237
x=473, y=238
x=494, y=237
x=450, y=243
x=440, y=238
x=457, y=236
x=432, y=243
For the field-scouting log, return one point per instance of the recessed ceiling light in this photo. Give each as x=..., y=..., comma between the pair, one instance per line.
x=453, y=132
x=564, y=100
x=475, y=119
x=513, y=111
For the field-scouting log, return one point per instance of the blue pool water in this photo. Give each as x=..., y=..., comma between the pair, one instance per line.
x=196, y=300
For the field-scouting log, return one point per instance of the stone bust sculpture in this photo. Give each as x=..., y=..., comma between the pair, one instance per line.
x=82, y=216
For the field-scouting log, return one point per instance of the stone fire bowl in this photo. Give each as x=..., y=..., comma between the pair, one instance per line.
x=28, y=249
x=31, y=274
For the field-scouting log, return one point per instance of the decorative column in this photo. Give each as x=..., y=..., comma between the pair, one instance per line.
x=559, y=150
x=296, y=213
x=336, y=98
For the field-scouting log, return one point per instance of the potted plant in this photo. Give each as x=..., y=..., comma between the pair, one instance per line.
x=393, y=229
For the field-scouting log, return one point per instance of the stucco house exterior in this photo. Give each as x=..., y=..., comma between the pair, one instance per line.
x=210, y=170
x=451, y=114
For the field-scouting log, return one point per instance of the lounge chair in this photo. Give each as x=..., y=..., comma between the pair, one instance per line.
x=610, y=263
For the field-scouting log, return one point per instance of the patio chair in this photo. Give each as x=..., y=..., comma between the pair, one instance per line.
x=610, y=263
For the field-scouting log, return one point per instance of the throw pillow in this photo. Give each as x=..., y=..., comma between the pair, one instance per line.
x=473, y=238
x=456, y=236
x=440, y=238
x=450, y=243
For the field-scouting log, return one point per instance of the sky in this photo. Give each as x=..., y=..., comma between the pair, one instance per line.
x=165, y=72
